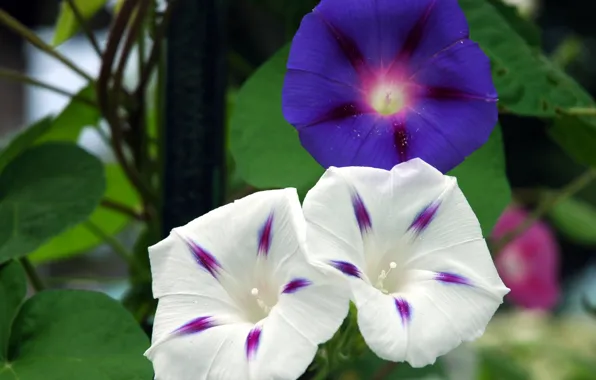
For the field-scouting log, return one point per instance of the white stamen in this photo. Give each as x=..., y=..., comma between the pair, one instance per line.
x=383, y=276
x=266, y=308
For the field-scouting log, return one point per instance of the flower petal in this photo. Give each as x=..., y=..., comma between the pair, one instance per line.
x=423, y=26
x=462, y=69
x=427, y=319
x=233, y=236
x=392, y=200
x=296, y=326
x=529, y=264
x=313, y=41
x=177, y=314
x=217, y=353
x=309, y=99
x=424, y=230
x=176, y=269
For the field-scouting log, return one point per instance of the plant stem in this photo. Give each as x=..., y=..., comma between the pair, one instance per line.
x=84, y=26
x=110, y=108
x=545, y=205
x=18, y=77
x=118, y=248
x=581, y=111
x=34, y=278
x=385, y=371
x=155, y=53
x=20, y=29
x=121, y=208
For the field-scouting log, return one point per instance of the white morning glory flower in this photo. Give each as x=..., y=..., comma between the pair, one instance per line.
x=237, y=296
x=412, y=250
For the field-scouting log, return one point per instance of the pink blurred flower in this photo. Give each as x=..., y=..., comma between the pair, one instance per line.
x=528, y=265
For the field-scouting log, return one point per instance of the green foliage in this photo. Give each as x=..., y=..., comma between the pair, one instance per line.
x=67, y=24
x=43, y=192
x=265, y=147
x=369, y=364
x=67, y=126
x=529, y=31
x=67, y=334
x=577, y=135
x=12, y=292
x=527, y=83
x=496, y=365
x=24, y=140
x=483, y=180
x=575, y=219
x=80, y=239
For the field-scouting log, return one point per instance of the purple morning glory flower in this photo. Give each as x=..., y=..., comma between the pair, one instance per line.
x=376, y=83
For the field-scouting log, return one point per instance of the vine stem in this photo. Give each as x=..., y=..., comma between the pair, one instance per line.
x=84, y=26
x=581, y=111
x=385, y=371
x=543, y=207
x=18, y=77
x=118, y=247
x=34, y=277
x=121, y=208
x=108, y=106
x=20, y=29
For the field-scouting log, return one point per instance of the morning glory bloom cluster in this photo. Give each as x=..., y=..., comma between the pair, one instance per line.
x=376, y=83
x=387, y=95
x=251, y=289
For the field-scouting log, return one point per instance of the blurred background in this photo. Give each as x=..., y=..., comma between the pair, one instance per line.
x=546, y=327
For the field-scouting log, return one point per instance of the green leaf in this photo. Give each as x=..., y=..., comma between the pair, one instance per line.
x=496, y=365
x=265, y=147
x=67, y=126
x=13, y=288
x=67, y=24
x=72, y=334
x=577, y=135
x=529, y=31
x=24, y=140
x=575, y=219
x=483, y=181
x=365, y=367
x=527, y=83
x=43, y=192
x=79, y=239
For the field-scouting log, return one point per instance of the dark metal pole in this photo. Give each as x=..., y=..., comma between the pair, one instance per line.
x=194, y=133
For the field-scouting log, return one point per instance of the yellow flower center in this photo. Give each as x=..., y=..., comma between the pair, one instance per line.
x=387, y=99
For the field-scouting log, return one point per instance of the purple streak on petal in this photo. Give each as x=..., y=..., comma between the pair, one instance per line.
x=424, y=217
x=309, y=99
x=346, y=268
x=265, y=236
x=339, y=113
x=315, y=50
x=404, y=309
x=413, y=39
x=445, y=24
x=401, y=139
x=361, y=213
x=442, y=93
x=196, y=325
x=348, y=46
x=204, y=258
x=462, y=68
x=252, y=342
x=451, y=278
x=295, y=285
